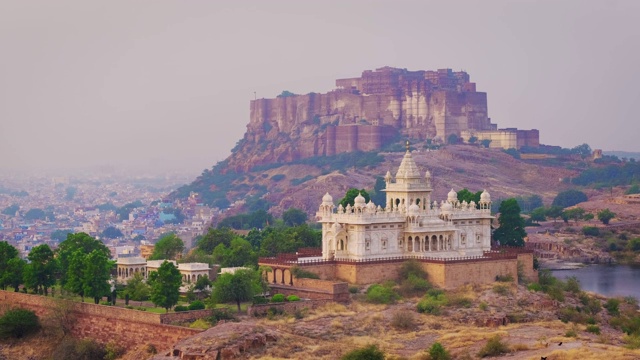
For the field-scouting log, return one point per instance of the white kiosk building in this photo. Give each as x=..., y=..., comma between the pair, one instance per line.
x=409, y=225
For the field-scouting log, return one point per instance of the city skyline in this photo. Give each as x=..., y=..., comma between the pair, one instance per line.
x=166, y=85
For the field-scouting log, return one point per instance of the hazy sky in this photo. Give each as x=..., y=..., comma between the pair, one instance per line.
x=166, y=84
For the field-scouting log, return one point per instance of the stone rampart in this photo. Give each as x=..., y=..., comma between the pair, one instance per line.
x=128, y=328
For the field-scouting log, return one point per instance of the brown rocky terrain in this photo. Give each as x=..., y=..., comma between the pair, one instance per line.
x=454, y=167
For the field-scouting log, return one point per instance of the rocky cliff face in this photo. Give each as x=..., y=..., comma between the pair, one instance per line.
x=363, y=114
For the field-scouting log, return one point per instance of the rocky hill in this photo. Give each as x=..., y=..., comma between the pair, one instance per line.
x=302, y=183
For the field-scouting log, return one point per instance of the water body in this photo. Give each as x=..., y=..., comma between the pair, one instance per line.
x=608, y=280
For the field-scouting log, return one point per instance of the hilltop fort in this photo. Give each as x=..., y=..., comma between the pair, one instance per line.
x=367, y=112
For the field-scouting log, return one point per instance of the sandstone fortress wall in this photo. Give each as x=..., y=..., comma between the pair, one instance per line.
x=365, y=112
x=128, y=328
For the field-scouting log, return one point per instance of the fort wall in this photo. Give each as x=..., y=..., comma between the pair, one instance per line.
x=128, y=328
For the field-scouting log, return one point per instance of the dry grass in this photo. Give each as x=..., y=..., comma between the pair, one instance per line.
x=585, y=353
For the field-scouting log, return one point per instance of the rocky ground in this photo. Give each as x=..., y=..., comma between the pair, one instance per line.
x=526, y=320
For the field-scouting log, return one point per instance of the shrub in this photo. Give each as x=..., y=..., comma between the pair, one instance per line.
x=570, y=314
x=438, y=352
x=379, y=294
x=504, y=278
x=403, y=320
x=303, y=274
x=278, y=177
x=459, y=301
x=572, y=285
x=414, y=286
x=113, y=351
x=220, y=314
x=18, y=323
x=591, y=231
x=293, y=298
x=613, y=306
x=432, y=304
x=180, y=308
x=412, y=267
x=196, y=305
x=571, y=333
x=632, y=341
x=501, y=290
x=354, y=289
x=260, y=300
x=483, y=306
x=594, y=329
x=70, y=348
x=370, y=352
x=494, y=347
x=534, y=287
x=277, y=298
x=200, y=324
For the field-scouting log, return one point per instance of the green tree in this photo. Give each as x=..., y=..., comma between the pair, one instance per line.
x=239, y=253
x=583, y=150
x=378, y=196
x=473, y=140
x=74, y=242
x=576, y=213
x=538, y=214
x=165, y=285
x=11, y=210
x=605, y=216
x=294, y=217
x=237, y=287
x=468, y=196
x=485, y=143
x=349, y=197
x=167, y=247
x=137, y=289
x=203, y=283
x=112, y=233
x=14, y=273
x=75, y=273
x=40, y=272
x=453, y=139
x=633, y=189
x=569, y=198
x=214, y=237
x=511, y=231
x=96, y=275
x=554, y=212
x=7, y=252
x=35, y=214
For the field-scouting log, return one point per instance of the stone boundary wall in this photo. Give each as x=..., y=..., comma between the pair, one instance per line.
x=325, y=285
x=128, y=328
x=287, y=307
x=182, y=316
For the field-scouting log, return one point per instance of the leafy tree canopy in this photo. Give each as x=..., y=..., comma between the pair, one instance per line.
x=11, y=210
x=237, y=287
x=294, y=217
x=350, y=196
x=256, y=220
x=239, y=253
x=468, y=196
x=377, y=195
x=35, y=214
x=167, y=247
x=18, y=323
x=165, y=285
x=112, y=233
x=214, y=237
x=77, y=242
x=97, y=270
x=606, y=215
x=40, y=272
x=569, y=198
x=511, y=231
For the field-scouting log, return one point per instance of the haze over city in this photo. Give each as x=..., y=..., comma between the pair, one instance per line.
x=166, y=85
